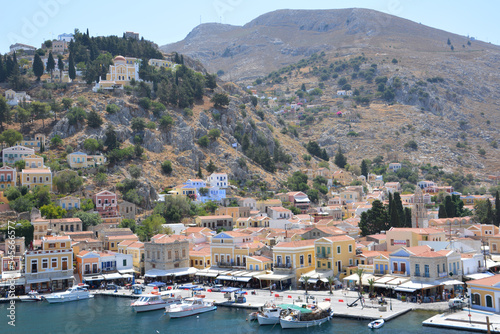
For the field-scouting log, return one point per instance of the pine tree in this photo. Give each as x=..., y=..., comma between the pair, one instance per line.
x=51, y=65
x=374, y=220
x=211, y=167
x=364, y=169
x=38, y=66
x=391, y=205
x=71, y=68
x=2, y=70
x=60, y=66
x=111, y=141
x=199, y=174
x=450, y=207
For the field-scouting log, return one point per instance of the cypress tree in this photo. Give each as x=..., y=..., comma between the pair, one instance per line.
x=51, y=65
x=450, y=207
x=37, y=66
x=497, y=209
x=364, y=169
x=408, y=217
x=2, y=70
x=340, y=159
x=398, y=207
x=391, y=204
x=442, y=212
x=71, y=68
x=60, y=66
x=395, y=219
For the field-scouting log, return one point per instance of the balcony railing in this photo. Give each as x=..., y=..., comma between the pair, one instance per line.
x=322, y=256
x=381, y=272
x=283, y=265
x=399, y=272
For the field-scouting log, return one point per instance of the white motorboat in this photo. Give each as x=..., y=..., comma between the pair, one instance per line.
x=376, y=323
x=269, y=315
x=297, y=319
x=32, y=296
x=76, y=292
x=153, y=302
x=190, y=306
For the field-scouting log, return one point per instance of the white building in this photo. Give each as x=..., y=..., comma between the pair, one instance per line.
x=12, y=154
x=14, y=98
x=65, y=37
x=218, y=180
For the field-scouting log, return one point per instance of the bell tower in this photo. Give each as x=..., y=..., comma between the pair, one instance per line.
x=419, y=216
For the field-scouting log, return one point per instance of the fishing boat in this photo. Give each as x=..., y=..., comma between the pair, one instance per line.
x=269, y=315
x=293, y=318
x=153, y=302
x=190, y=306
x=32, y=296
x=376, y=323
x=76, y=292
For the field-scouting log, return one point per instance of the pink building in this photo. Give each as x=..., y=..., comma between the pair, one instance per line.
x=106, y=203
x=7, y=177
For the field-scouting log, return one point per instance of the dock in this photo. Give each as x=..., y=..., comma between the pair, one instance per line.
x=460, y=320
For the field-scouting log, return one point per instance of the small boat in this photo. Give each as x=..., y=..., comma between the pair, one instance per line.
x=269, y=315
x=376, y=323
x=190, y=306
x=296, y=319
x=153, y=302
x=253, y=316
x=76, y=292
x=32, y=296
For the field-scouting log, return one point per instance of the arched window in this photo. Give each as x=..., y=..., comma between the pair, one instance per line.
x=476, y=299
x=489, y=301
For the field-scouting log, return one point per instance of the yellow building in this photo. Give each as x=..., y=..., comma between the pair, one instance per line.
x=485, y=293
x=230, y=249
x=50, y=266
x=335, y=253
x=136, y=249
x=398, y=237
x=34, y=161
x=255, y=221
x=162, y=63
x=259, y=263
x=34, y=143
x=294, y=257
x=199, y=256
x=123, y=70
x=36, y=177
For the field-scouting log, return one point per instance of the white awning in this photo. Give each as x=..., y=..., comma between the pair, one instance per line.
x=491, y=263
x=243, y=279
x=226, y=277
x=275, y=277
x=405, y=289
x=127, y=276
x=302, y=200
x=40, y=280
x=452, y=282
x=478, y=275
x=93, y=278
x=17, y=281
x=364, y=279
x=112, y=276
x=171, y=272
x=417, y=285
x=126, y=271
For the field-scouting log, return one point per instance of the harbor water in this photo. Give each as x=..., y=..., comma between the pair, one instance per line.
x=114, y=315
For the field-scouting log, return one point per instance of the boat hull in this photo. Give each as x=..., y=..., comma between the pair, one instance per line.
x=150, y=307
x=303, y=324
x=188, y=313
x=267, y=320
x=64, y=299
x=376, y=324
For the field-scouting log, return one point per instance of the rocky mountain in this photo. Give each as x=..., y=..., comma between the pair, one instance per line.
x=445, y=86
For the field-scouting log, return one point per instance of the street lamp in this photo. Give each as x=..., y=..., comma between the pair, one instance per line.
x=392, y=291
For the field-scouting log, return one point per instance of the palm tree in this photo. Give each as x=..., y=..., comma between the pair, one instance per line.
x=330, y=279
x=306, y=280
x=360, y=273
x=371, y=283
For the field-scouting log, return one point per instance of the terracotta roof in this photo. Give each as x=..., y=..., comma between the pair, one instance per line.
x=293, y=244
x=215, y=217
x=126, y=242
x=488, y=281
x=279, y=209
x=428, y=230
x=53, y=237
x=370, y=253
x=378, y=236
x=123, y=237
x=136, y=244
x=165, y=238
x=430, y=254
x=260, y=258
x=416, y=250
x=339, y=238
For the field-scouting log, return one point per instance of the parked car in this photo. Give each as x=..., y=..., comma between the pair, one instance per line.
x=217, y=287
x=456, y=303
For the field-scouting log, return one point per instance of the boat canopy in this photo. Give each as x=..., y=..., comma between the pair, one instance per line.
x=230, y=289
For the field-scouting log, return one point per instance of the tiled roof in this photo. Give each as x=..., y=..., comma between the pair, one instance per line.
x=294, y=244
x=488, y=281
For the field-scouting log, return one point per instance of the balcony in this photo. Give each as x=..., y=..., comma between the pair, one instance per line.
x=283, y=265
x=381, y=272
x=322, y=256
x=399, y=272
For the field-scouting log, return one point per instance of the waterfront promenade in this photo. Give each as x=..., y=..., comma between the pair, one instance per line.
x=460, y=320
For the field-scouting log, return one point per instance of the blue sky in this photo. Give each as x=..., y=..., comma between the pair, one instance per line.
x=33, y=21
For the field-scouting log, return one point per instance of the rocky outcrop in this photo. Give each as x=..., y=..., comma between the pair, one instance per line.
x=151, y=142
x=147, y=193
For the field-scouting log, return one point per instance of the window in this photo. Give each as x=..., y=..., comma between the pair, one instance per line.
x=309, y=258
x=417, y=269
x=301, y=260
x=124, y=262
x=338, y=249
x=426, y=270
x=489, y=301
x=183, y=253
x=350, y=248
x=54, y=263
x=350, y=262
x=318, y=264
x=63, y=245
x=169, y=255
x=52, y=245
x=45, y=263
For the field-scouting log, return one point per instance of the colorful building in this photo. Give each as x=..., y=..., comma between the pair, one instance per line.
x=34, y=161
x=36, y=143
x=294, y=258
x=50, y=267
x=335, y=253
x=8, y=177
x=68, y=202
x=485, y=293
x=36, y=177
x=15, y=153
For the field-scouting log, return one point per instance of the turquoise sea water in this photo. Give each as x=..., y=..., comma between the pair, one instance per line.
x=114, y=315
